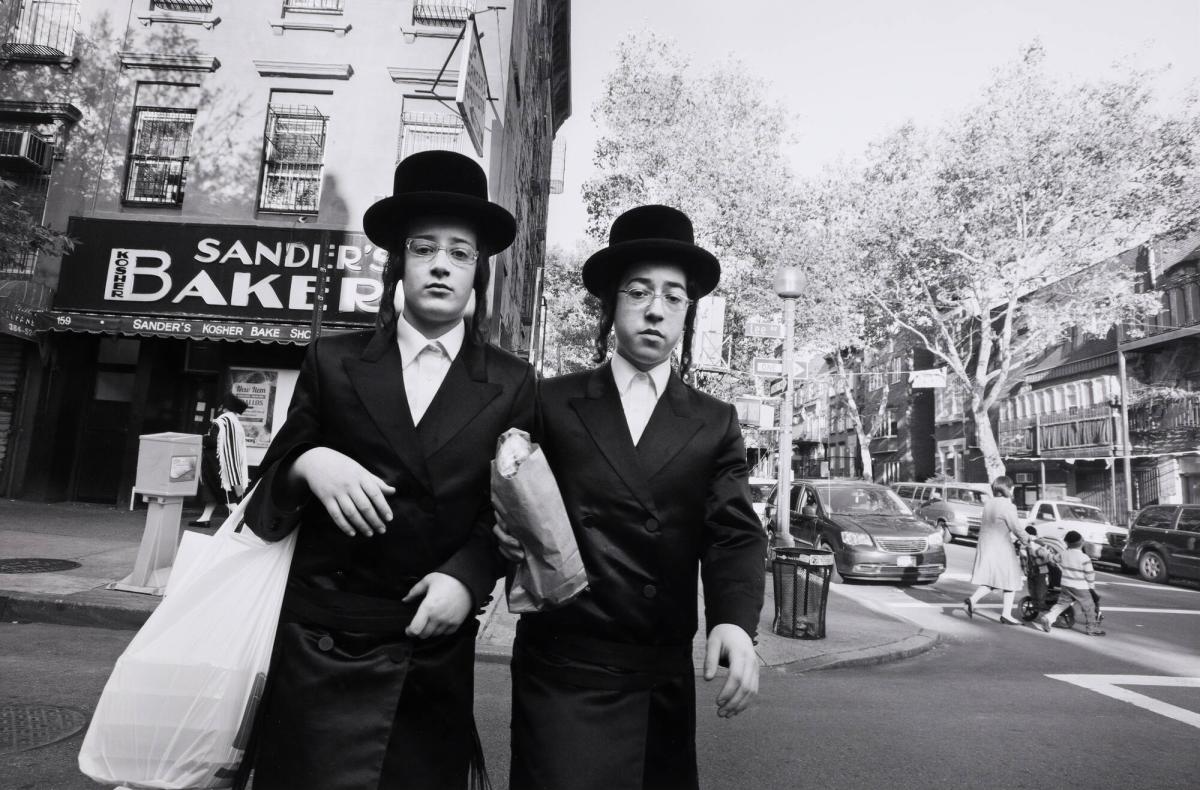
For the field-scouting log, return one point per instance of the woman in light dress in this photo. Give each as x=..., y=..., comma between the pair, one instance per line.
x=996, y=564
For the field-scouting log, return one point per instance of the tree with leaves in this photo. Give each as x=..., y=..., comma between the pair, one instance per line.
x=713, y=144
x=572, y=314
x=982, y=237
x=22, y=235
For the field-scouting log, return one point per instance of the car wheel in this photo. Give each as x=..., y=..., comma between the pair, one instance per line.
x=947, y=535
x=835, y=575
x=1152, y=567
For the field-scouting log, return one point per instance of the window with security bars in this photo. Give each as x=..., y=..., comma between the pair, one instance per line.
x=446, y=13
x=158, y=156
x=187, y=6
x=293, y=159
x=45, y=29
x=315, y=6
x=428, y=131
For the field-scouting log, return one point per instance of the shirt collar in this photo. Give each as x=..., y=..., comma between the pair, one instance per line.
x=411, y=341
x=624, y=371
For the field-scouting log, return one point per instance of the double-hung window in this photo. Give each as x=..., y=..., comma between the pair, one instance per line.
x=293, y=159
x=158, y=156
x=432, y=131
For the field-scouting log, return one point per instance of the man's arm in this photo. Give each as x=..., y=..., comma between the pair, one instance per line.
x=732, y=572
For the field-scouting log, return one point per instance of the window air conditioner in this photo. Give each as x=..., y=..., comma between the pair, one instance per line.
x=25, y=151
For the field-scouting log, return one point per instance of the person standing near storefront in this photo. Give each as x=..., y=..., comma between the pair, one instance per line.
x=653, y=474
x=223, y=471
x=383, y=466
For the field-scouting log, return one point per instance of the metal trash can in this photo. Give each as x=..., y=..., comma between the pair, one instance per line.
x=801, y=584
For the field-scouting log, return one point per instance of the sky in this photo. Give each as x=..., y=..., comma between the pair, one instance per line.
x=852, y=70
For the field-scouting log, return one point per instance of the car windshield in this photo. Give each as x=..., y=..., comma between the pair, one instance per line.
x=967, y=496
x=1081, y=513
x=860, y=500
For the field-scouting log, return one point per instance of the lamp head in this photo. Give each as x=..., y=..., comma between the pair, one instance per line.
x=790, y=282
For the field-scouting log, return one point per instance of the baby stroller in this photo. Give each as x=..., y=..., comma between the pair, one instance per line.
x=1029, y=605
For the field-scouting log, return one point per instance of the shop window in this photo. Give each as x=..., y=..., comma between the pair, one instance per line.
x=158, y=156
x=45, y=30
x=293, y=159
x=187, y=6
x=447, y=13
x=314, y=6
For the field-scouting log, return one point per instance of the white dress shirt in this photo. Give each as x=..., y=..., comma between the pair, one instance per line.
x=639, y=391
x=425, y=362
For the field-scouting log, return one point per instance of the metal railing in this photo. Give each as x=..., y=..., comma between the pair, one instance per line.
x=155, y=180
x=187, y=6
x=1165, y=415
x=45, y=29
x=446, y=13
x=293, y=161
x=320, y=6
x=427, y=131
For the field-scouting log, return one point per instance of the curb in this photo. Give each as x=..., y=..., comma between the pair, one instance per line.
x=921, y=642
x=20, y=607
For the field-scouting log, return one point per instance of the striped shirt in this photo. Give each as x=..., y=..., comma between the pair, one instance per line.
x=1077, y=571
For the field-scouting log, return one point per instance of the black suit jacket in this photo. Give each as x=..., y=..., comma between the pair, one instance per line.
x=648, y=517
x=350, y=397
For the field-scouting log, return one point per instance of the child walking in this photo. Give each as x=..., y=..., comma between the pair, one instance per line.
x=1078, y=586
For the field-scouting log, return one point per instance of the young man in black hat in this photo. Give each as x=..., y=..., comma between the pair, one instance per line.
x=383, y=465
x=223, y=471
x=653, y=474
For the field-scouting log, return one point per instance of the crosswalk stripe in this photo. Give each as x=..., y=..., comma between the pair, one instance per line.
x=1105, y=609
x=1110, y=686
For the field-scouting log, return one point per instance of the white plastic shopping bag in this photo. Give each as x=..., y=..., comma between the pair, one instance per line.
x=176, y=711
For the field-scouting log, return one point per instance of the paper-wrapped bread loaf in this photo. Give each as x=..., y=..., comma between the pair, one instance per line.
x=552, y=572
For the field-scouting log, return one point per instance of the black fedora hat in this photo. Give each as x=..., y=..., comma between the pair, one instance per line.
x=442, y=183
x=658, y=234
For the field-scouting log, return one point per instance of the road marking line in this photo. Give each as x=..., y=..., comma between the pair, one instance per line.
x=1110, y=686
x=1162, y=587
x=1105, y=609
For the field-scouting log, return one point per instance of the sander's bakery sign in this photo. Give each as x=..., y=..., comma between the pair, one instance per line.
x=226, y=271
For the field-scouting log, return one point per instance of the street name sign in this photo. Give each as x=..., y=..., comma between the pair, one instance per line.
x=766, y=366
x=764, y=329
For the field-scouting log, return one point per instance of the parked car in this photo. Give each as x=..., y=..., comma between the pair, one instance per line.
x=760, y=492
x=869, y=529
x=1164, y=542
x=1102, y=540
x=954, y=508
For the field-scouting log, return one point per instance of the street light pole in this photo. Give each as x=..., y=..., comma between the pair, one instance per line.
x=789, y=284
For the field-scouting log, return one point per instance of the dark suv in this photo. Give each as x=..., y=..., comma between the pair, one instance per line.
x=1164, y=541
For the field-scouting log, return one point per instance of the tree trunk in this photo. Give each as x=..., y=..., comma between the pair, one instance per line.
x=987, y=443
x=864, y=452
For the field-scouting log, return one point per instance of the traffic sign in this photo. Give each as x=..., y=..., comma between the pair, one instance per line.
x=763, y=329
x=766, y=366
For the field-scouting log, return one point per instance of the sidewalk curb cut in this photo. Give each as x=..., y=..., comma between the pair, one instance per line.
x=921, y=642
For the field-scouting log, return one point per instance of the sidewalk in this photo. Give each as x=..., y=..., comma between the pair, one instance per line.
x=104, y=542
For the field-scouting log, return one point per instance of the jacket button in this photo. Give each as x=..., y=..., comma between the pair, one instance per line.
x=649, y=591
x=652, y=525
x=325, y=643
x=588, y=521
x=398, y=655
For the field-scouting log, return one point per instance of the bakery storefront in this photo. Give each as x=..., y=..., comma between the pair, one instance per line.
x=152, y=322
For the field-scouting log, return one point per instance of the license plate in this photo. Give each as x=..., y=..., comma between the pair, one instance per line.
x=905, y=561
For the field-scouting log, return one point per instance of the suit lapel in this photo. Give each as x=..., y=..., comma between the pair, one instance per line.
x=670, y=428
x=463, y=394
x=378, y=379
x=604, y=419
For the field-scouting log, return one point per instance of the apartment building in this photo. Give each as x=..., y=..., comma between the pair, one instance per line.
x=212, y=160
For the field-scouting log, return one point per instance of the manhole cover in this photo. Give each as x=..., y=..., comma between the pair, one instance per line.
x=24, y=727
x=35, y=565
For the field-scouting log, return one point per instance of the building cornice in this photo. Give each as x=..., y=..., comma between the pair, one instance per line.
x=316, y=71
x=155, y=60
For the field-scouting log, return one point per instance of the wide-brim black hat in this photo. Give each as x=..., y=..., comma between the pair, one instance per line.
x=440, y=183
x=651, y=234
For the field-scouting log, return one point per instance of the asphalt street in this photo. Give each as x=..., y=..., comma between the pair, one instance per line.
x=991, y=707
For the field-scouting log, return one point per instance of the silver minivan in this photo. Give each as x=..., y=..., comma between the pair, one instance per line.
x=954, y=508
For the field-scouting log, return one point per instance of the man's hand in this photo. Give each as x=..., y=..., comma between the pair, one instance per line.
x=355, y=499
x=733, y=644
x=446, y=604
x=510, y=547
